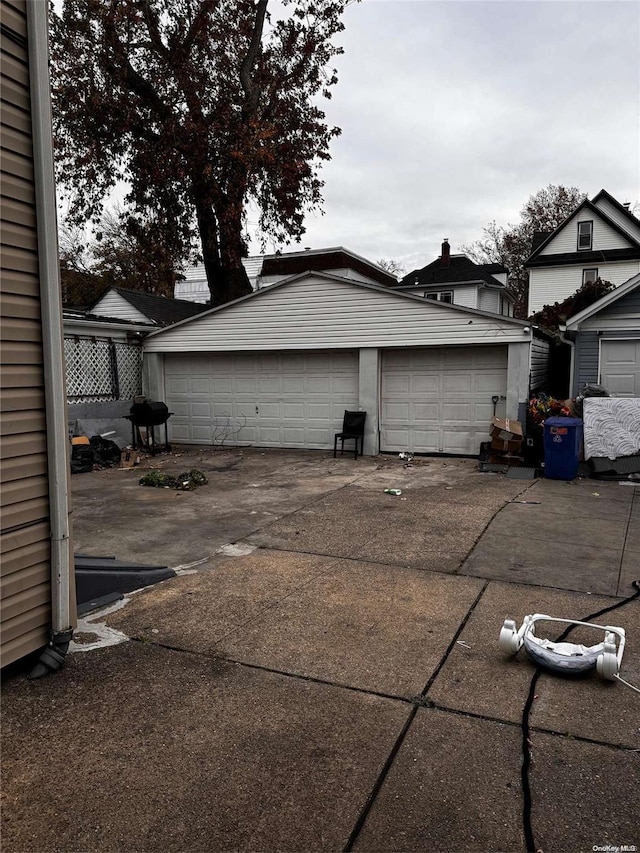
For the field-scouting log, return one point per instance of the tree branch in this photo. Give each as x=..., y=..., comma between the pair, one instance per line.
x=248, y=85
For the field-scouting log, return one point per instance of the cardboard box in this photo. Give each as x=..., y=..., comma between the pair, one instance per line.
x=506, y=459
x=506, y=435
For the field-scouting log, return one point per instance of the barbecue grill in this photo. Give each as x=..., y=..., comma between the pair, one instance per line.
x=148, y=415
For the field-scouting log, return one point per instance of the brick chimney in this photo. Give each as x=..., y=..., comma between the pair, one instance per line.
x=445, y=257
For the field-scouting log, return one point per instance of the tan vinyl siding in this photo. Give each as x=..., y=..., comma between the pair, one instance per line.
x=25, y=535
x=320, y=313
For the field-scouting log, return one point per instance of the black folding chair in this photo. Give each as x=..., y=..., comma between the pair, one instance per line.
x=352, y=429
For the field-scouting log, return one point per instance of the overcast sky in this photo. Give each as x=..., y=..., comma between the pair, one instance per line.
x=454, y=113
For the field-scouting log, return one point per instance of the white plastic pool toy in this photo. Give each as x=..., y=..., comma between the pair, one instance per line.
x=562, y=657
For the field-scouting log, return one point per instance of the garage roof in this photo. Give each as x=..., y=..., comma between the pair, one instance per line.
x=323, y=311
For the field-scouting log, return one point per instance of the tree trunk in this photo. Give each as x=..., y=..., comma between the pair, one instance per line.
x=235, y=282
x=222, y=247
x=208, y=230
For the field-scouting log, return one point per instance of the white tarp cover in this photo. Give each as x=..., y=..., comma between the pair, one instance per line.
x=611, y=427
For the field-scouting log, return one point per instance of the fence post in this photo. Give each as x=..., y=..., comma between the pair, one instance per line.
x=115, y=379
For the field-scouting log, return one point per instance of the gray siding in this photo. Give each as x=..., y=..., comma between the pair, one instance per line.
x=627, y=305
x=586, y=360
x=539, y=364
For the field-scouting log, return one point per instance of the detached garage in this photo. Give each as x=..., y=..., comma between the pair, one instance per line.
x=279, y=367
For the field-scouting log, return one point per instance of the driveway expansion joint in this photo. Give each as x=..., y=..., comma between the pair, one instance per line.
x=491, y=520
x=617, y=747
x=418, y=703
x=626, y=536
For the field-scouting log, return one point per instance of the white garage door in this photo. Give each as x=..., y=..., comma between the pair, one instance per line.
x=439, y=400
x=263, y=399
x=620, y=367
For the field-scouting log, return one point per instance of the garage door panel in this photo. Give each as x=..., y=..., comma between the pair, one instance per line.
x=455, y=441
x=202, y=433
x=424, y=383
x=487, y=382
x=425, y=441
x=293, y=385
x=620, y=367
x=268, y=411
x=271, y=400
x=318, y=411
x=201, y=410
x=620, y=352
x=457, y=413
x=448, y=390
x=621, y=385
x=395, y=412
x=177, y=385
x=293, y=411
x=293, y=437
x=457, y=384
x=399, y=438
x=318, y=385
x=396, y=383
x=426, y=412
x=483, y=413
x=346, y=386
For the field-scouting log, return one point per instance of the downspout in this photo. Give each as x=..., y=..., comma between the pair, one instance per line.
x=570, y=338
x=61, y=632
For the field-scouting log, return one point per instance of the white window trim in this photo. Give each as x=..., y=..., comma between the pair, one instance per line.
x=588, y=269
x=436, y=296
x=588, y=248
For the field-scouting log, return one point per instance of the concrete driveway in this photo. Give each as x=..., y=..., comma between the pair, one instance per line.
x=324, y=672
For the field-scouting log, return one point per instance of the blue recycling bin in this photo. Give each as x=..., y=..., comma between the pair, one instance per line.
x=562, y=443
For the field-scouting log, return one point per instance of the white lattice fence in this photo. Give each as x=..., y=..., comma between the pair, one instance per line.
x=102, y=370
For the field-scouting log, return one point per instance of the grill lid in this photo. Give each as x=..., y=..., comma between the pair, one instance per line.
x=149, y=413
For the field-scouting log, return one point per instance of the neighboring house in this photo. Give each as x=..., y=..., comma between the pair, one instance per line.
x=103, y=360
x=195, y=288
x=606, y=342
x=265, y=270
x=37, y=587
x=132, y=305
x=103, y=352
x=457, y=280
x=601, y=239
x=279, y=367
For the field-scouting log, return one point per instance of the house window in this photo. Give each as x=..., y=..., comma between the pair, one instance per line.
x=589, y=275
x=585, y=235
x=439, y=295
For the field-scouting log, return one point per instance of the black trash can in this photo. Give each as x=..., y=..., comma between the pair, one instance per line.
x=562, y=443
